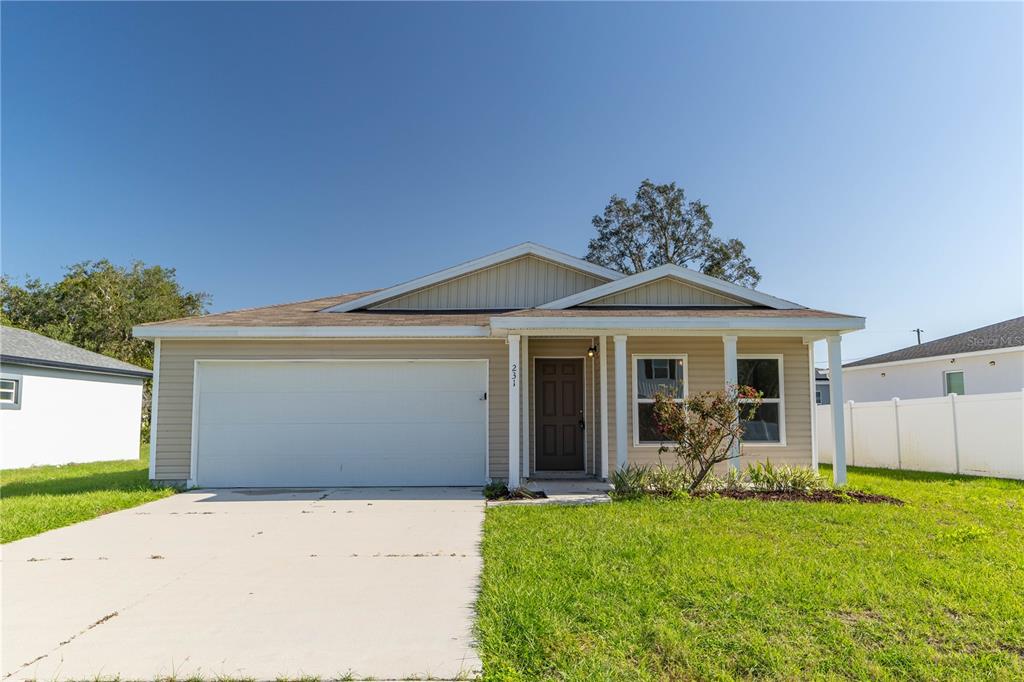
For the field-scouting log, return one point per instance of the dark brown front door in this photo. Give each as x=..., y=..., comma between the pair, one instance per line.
x=559, y=398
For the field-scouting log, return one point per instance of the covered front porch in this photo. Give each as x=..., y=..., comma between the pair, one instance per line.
x=578, y=400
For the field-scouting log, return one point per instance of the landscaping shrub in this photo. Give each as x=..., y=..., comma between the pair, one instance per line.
x=765, y=477
x=630, y=483
x=673, y=482
x=499, y=490
x=704, y=427
x=496, y=490
x=638, y=480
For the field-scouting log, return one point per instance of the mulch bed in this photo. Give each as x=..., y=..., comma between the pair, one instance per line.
x=519, y=495
x=835, y=496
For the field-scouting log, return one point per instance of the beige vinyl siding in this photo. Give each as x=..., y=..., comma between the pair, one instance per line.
x=540, y=347
x=665, y=291
x=706, y=370
x=523, y=282
x=177, y=360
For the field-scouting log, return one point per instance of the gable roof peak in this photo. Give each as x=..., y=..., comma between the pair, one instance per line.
x=492, y=259
x=681, y=273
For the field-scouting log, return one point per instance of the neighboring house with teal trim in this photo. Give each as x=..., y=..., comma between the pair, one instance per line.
x=988, y=359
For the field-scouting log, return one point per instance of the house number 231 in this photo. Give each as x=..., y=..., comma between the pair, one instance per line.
x=515, y=373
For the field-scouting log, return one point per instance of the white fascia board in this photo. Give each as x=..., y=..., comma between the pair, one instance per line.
x=678, y=272
x=409, y=332
x=524, y=249
x=933, y=358
x=838, y=324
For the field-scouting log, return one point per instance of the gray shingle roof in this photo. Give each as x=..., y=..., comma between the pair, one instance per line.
x=21, y=347
x=313, y=313
x=1006, y=334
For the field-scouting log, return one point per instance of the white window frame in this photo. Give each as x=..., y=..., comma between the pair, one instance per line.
x=781, y=400
x=945, y=381
x=636, y=400
x=19, y=386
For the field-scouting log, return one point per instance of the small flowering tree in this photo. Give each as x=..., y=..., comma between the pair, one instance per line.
x=704, y=427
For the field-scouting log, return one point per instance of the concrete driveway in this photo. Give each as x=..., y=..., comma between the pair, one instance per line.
x=255, y=584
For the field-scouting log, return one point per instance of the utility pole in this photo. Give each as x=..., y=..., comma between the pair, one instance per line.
x=918, y=335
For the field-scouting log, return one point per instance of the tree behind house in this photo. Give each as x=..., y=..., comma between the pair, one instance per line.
x=660, y=226
x=96, y=304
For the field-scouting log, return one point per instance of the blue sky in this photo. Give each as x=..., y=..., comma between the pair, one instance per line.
x=869, y=155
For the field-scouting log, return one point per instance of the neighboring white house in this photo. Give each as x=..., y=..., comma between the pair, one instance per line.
x=822, y=387
x=60, y=403
x=984, y=360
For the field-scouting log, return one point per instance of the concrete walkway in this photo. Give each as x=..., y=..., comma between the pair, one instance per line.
x=251, y=584
x=565, y=491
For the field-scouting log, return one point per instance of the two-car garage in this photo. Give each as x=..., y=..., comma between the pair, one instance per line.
x=339, y=423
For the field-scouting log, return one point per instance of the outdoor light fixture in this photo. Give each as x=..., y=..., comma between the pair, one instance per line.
x=592, y=351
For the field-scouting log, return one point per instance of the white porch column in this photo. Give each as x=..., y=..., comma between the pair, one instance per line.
x=602, y=353
x=814, y=405
x=154, y=399
x=835, y=370
x=525, y=374
x=730, y=383
x=514, y=406
x=621, y=448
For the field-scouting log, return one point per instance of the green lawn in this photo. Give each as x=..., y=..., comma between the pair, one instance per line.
x=723, y=589
x=37, y=499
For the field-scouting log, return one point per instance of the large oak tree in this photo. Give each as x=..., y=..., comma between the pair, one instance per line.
x=660, y=226
x=96, y=304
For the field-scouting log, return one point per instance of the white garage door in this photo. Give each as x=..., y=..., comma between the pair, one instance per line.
x=337, y=423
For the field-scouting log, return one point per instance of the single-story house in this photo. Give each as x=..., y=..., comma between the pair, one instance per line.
x=514, y=365
x=60, y=403
x=988, y=359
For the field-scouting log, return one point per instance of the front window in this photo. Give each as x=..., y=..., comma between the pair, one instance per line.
x=9, y=389
x=954, y=382
x=651, y=376
x=765, y=375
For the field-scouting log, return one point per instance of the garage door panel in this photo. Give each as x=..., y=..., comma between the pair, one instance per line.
x=341, y=423
x=405, y=469
x=379, y=407
x=237, y=377
x=221, y=442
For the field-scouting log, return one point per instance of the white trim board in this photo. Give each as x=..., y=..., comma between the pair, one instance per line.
x=585, y=326
x=154, y=407
x=642, y=324
x=524, y=249
x=675, y=272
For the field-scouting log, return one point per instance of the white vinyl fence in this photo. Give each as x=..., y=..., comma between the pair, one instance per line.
x=980, y=435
